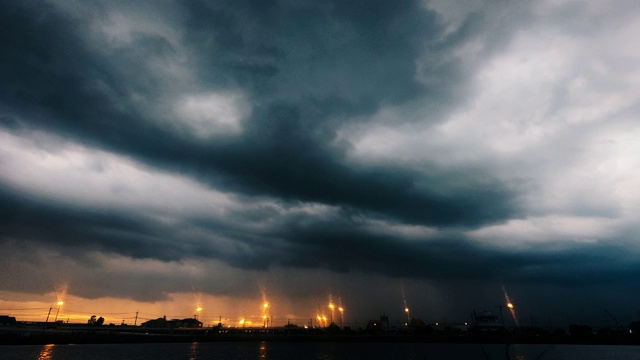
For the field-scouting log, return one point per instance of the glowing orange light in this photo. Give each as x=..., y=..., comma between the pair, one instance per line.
x=266, y=305
x=341, y=309
x=406, y=310
x=510, y=305
x=199, y=309
x=60, y=303
x=331, y=306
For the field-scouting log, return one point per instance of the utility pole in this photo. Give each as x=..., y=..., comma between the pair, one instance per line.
x=620, y=327
x=49, y=313
x=136, y=320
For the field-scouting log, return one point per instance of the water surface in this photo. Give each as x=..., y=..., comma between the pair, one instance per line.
x=316, y=351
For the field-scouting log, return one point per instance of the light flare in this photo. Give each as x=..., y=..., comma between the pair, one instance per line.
x=406, y=308
x=510, y=306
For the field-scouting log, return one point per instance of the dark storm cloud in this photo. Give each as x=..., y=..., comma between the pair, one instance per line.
x=299, y=242
x=333, y=243
x=280, y=158
x=303, y=147
x=306, y=67
x=87, y=229
x=296, y=242
x=357, y=53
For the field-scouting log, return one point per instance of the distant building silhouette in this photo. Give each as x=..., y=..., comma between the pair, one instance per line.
x=381, y=324
x=6, y=320
x=163, y=323
x=486, y=322
x=580, y=330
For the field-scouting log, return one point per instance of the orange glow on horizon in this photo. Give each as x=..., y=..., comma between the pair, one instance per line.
x=219, y=309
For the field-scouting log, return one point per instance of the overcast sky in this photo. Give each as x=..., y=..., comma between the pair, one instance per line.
x=156, y=156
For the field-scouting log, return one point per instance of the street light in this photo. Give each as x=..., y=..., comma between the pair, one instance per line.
x=58, y=311
x=265, y=317
x=198, y=309
x=332, y=307
x=512, y=310
x=406, y=309
x=341, y=309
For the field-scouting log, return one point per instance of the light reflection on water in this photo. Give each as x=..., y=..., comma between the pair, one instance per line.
x=47, y=352
x=193, y=351
x=262, y=352
x=317, y=351
x=516, y=352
